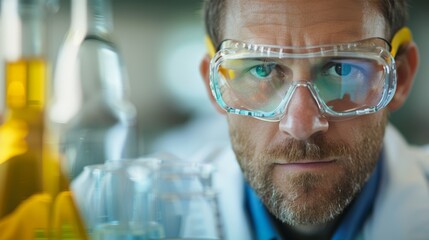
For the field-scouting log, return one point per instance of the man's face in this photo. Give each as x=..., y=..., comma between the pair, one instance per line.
x=306, y=168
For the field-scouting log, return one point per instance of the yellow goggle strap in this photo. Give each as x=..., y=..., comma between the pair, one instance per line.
x=402, y=36
x=212, y=51
x=210, y=46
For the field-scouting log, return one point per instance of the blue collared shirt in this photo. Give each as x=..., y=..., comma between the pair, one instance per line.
x=349, y=227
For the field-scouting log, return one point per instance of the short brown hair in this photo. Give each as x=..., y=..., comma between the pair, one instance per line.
x=395, y=13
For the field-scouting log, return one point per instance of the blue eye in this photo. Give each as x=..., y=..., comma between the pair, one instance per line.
x=343, y=69
x=262, y=71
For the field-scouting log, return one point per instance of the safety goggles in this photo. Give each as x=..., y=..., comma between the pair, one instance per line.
x=345, y=79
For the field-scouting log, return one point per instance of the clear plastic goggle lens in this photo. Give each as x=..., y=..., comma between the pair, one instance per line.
x=345, y=80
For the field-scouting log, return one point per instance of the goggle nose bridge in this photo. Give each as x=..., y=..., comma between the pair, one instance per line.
x=301, y=83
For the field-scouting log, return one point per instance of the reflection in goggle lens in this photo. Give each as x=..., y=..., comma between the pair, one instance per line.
x=345, y=79
x=262, y=84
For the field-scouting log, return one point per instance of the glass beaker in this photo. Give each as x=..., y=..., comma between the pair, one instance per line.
x=115, y=199
x=185, y=203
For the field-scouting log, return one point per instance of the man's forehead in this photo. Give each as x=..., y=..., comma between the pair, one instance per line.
x=297, y=22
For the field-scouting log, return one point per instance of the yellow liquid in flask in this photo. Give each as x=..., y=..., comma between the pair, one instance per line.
x=35, y=202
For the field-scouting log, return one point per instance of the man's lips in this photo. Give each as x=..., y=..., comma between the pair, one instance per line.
x=306, y=164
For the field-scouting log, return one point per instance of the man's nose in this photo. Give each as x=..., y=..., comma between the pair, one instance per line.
x=302, y=117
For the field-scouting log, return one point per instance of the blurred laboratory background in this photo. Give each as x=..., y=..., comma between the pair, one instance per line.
x=162, y=45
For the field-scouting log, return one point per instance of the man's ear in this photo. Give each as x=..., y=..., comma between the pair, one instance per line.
x=407, y=62
x=205, y=73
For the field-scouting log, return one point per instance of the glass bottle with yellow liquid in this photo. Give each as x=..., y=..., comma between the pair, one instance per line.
x=35, y=202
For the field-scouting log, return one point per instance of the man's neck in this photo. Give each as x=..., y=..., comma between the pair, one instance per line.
x=307, y=232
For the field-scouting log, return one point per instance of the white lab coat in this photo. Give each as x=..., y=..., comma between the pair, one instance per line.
x=401, y=208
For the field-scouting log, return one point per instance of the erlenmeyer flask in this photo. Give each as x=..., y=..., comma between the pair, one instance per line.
x=91, y=106
x=35, y=202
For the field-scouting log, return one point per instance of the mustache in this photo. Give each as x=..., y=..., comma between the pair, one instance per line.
x=316, y=148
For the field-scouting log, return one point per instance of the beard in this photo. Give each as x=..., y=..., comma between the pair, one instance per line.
x=310, y=197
